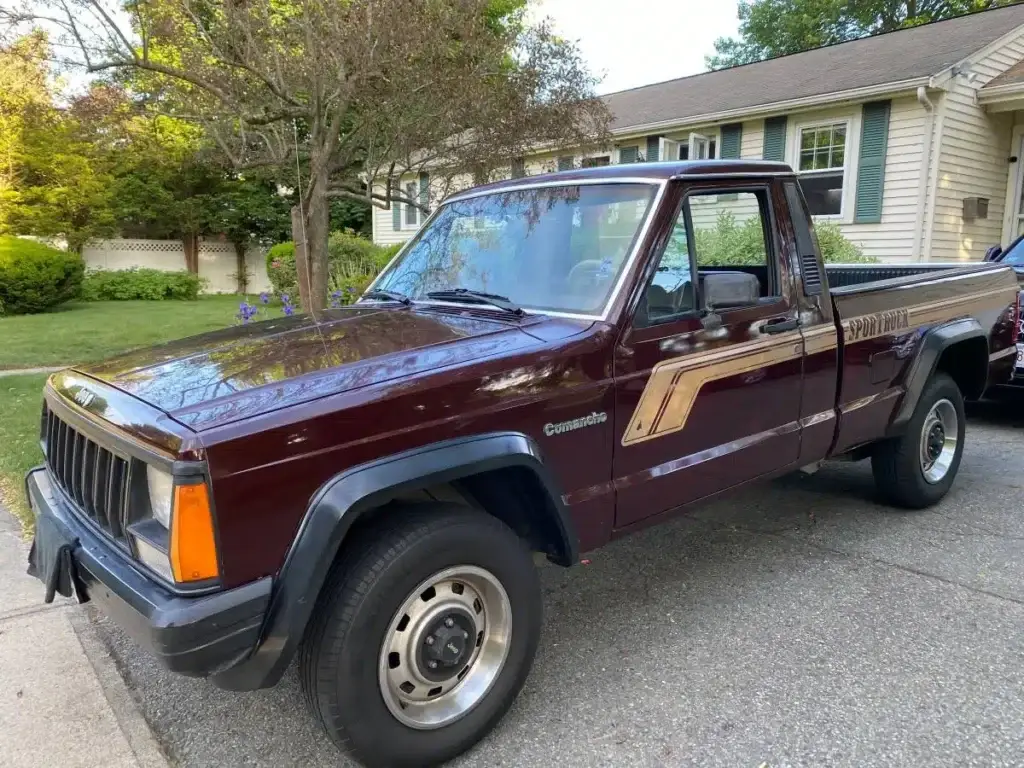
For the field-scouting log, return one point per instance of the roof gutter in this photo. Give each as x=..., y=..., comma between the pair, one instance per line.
x=778, y=107
x=995, y=94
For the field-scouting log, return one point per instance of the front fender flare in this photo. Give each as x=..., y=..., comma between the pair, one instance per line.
x=339, y=503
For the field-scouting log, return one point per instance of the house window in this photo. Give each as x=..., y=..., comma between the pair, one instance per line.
x=822, y=167
x=411, y=211
x=595, y=162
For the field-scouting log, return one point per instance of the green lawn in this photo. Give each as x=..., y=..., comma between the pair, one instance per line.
x=21, y=400
x=79, y=332
x=85, y=331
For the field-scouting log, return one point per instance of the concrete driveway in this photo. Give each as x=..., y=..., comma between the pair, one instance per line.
x=795, y=624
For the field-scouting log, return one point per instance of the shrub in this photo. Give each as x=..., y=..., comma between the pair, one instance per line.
x=281, y=267
x=732, y=244
x=353, y=261
x=140, y=283
x=836, y=249
x=35, y=277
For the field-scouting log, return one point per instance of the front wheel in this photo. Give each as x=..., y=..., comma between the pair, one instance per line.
x=917, y=469
x=423, y=636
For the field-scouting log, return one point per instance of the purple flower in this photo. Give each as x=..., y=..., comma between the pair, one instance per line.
x=285, y=299
x=246, y=312
x=350, y=289
x=289, y=309
x=335, y=294
x=264, y=298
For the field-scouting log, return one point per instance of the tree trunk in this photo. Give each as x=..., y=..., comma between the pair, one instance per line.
x=317, y=230
x=191, y=243
x=240, y=269
x=301, y=258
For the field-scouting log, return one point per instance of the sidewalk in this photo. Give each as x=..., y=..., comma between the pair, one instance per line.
x=62, y=702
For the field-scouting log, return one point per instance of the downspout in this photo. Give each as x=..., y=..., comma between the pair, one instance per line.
x=922, y=185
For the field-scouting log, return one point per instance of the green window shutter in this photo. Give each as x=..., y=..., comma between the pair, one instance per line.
x=732, y=137
x=565, y=163
x=775, y=139
x=874, y=141
x=518, y=168
x=396, y=214
x=425, y=190
x=628, y=154
x=653, y=143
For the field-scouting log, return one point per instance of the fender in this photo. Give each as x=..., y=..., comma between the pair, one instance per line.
x=936, y=341
x=338, y=504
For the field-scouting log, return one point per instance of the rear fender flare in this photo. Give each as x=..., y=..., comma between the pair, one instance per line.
x=936, y=341
x=340, y=502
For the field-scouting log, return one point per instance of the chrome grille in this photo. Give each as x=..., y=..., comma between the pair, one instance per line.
x=97, y=480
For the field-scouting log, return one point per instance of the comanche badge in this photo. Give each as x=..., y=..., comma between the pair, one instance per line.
x=568, y=426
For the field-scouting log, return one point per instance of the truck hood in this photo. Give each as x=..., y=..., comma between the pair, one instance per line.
x=226, y=375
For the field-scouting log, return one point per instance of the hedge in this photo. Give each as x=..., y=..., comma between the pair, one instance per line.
x=35, y=277
x=141, y=283
x=353, y=261
x=729, y=243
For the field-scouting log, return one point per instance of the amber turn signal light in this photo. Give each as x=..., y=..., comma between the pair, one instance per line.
x=193, y=546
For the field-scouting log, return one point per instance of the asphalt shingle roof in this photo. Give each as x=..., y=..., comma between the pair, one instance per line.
x=1013, y=75
x=889, y=58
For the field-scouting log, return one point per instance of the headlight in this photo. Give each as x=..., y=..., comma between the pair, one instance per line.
x=161, y=495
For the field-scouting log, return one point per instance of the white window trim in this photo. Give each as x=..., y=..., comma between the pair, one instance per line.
x=851, y=157
x=417, y=213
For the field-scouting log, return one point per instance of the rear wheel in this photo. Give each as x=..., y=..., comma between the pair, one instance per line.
x=917, y=469
x=423, y=636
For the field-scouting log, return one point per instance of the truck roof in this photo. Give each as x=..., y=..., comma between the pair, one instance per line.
x=663, y=170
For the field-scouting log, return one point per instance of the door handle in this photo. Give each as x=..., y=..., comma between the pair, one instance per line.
x=781, y=325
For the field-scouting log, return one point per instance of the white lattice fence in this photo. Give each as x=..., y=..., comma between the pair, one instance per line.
x=217, y=262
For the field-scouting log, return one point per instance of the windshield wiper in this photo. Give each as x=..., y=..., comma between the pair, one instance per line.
x=465, y=294
x=382, y=295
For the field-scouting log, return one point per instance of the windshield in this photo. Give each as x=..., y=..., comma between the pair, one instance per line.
x=556, y=249
x=1014, y=254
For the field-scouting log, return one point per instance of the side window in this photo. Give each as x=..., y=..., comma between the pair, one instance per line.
x=735, y=265
x=671, y=292
x=717, y=257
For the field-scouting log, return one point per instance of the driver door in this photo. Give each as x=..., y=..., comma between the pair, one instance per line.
x=708, y=397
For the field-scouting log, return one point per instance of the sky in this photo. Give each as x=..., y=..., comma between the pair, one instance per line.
x=665, y=39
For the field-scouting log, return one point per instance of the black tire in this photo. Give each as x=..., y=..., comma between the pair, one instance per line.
x=896, y=463
x=374, y=576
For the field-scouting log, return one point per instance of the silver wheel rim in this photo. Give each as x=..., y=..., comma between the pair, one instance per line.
x=464, y=602
x=938, y=441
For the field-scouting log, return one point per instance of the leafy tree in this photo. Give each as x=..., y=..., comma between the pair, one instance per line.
x=249, y=211
x=52, y=183
x=351, y=93
x=770, y=28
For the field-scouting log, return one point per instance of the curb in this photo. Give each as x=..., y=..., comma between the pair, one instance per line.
x=144, y=745
x=28, y=371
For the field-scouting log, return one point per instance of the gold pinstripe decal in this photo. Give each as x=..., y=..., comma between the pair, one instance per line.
x=674, y=384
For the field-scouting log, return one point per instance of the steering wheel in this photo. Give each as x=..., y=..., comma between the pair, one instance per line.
x=593, y=265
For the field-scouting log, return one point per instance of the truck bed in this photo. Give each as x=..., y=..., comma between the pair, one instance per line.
x=843, y=277
x=881, y=311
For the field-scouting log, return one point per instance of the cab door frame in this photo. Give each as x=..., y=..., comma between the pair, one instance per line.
x=700, y=410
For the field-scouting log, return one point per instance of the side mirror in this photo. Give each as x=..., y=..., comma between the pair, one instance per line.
x=993, y=253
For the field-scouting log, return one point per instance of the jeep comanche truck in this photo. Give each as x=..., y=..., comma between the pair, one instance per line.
x=548, y=364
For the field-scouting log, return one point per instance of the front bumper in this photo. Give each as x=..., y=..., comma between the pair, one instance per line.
x=196, y=636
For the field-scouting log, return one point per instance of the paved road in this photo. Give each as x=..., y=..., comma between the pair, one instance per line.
x=799, y=624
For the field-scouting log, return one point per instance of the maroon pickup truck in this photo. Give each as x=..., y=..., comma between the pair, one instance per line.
x=549, y=364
